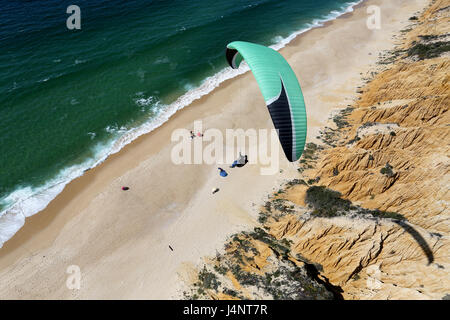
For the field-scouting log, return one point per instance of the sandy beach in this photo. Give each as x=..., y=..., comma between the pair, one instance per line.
x=120, y=240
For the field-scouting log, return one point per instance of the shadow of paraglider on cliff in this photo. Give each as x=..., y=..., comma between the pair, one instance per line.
x=329, y=203
x=419, y=239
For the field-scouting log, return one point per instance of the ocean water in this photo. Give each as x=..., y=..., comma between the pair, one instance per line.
x=69, y=98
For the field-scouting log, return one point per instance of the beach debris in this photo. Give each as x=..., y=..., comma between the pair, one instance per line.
x=222, y=172
x=125, y=188
x=170, y=248
x=214, y=190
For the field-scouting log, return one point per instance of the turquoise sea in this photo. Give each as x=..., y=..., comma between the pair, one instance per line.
x=69, y=98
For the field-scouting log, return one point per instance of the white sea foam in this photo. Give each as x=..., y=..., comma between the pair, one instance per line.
x=10, y=223
x=114, y=129
x=281, y=42
x=161, y=60
x=143, y=102
x=27, y=201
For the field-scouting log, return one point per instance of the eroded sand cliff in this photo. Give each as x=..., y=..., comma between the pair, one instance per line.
x=368, y=216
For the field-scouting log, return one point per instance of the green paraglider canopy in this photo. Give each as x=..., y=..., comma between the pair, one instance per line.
x=280, y=89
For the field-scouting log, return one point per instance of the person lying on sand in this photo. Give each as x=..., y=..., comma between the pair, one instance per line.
x=240, y=162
